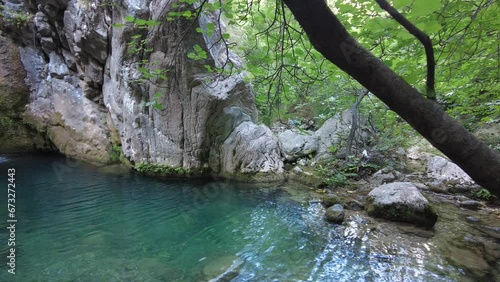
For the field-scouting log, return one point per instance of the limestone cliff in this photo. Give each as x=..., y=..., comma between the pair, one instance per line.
x=87, y=98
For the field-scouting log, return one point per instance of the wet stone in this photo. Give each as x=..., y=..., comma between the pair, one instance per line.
x=470, y=204
x=335, y=214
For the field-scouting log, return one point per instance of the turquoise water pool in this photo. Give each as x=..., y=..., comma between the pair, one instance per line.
x=77, y=222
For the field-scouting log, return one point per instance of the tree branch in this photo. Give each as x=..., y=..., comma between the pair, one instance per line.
x=331, y=39
x=354, y=124
x=423, y=38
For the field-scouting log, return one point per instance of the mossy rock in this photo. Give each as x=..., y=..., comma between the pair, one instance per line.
x=402, y=213
x=335, y=214
x=165, y=170
x=332, y=199
x=400, y=201
x=16, y=137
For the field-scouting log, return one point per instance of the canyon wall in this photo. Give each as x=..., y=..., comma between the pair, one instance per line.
x=94, y=93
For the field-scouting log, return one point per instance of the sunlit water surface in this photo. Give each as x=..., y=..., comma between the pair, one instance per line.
x=81, y=223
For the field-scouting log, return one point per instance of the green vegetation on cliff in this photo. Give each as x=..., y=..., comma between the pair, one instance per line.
x=161, y=170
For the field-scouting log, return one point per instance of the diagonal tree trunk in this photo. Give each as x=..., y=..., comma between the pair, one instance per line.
x=331, y=39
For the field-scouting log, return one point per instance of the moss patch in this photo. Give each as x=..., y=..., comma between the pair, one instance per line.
x=332, y=199
x=162, y=170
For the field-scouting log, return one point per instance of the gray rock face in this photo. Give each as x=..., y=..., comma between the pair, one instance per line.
x=57, y=67
x=400, y=201
x=295, y=144
x=381, y=177
x=203, y=116
x=90, y=90
x=335, y=214
x=336, y=129
x=14, y=94
x=251, y=151
x=443, y=170
x=75, y=125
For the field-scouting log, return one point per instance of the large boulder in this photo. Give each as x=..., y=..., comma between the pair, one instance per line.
x=336, y=130
x=251, y=152
x=295, y=144
x=75, y=125
x=400, y=201
x=445, y=171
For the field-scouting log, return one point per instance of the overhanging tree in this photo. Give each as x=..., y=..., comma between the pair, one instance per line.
x=331, y=39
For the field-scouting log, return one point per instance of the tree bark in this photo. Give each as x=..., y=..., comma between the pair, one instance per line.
x=331, y=39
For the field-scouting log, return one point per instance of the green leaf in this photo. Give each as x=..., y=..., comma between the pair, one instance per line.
x=197, y=48
x=158, y=106
x=129, y=19
x=152, y=23
x=431, y=27
x=140, y=22
x=398, y=4
x=118, y=25
x=208, y=68
x=202, y=55
x=425, y=7
x=210, y=28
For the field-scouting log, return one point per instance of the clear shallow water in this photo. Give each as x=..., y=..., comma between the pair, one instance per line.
x=81, y=223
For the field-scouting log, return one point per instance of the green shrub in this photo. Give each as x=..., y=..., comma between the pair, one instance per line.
x=116, y=153
x=484, y=194
x=337, y=172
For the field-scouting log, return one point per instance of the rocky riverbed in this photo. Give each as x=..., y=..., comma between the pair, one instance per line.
x=436, y=204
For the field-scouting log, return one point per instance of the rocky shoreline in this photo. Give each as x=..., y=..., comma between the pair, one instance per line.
x=437, y=203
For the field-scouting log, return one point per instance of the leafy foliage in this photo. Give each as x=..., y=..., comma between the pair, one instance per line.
x=116, y=153
x=293, y=81
x=149, y=168
x=336, y=172
x=13, y=17
x=484, y=194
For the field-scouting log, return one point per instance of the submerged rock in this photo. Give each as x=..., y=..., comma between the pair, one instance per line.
x=223, y=268
x=335, y=214
x=400, y=201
